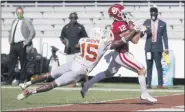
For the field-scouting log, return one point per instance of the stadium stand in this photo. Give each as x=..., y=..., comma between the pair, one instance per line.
x=49, y=19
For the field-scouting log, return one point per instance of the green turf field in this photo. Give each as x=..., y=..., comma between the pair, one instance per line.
x=66, y=95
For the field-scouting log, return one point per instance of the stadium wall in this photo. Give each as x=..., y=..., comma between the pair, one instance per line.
x=175, y=45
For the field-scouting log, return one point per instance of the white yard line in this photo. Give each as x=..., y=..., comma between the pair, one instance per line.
x=101, y=89
x=86, y=103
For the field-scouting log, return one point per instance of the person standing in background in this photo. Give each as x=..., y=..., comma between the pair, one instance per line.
x=70, y=35
x=154, y=45
x=20, y=39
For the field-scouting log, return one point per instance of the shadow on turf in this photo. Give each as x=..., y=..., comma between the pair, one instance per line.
x=105, y=103
x=172, y=87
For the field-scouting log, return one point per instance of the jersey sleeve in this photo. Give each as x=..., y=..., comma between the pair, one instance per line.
x=81, y=40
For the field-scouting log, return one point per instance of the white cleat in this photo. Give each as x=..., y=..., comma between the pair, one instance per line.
x=23, y=95
x=146, y=96
x=23, y=86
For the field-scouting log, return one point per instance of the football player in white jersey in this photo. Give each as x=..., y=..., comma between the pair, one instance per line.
x=91, y=50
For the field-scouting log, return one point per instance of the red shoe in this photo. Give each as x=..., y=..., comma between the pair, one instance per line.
x=160, y=87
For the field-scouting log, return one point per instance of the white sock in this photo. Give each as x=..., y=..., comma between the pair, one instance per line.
x=28, y=83
x=142, y=82
x=95, y=79
x=34, y=91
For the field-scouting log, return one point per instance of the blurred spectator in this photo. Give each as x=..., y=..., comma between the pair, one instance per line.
x=154, y=45
x=20, y=38
x=70, y=35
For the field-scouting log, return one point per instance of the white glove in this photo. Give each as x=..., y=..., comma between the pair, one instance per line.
x=143, y=28
x=138, y=24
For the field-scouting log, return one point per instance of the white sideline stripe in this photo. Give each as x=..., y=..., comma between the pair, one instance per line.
x=180, y=106
x=164, y=109
x=175, y=108
x=86, y=103
x=99, y=89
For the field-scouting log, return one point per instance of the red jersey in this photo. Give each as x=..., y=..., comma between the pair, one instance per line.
x=117, y=28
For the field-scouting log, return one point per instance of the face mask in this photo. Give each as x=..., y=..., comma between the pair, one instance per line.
x=73, y=21
x=154, y=18
x=20, y=16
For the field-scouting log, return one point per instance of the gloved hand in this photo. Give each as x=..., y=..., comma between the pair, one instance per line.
x=166, y=51
x=143, y=28
x=148, y=32
x=138, y=25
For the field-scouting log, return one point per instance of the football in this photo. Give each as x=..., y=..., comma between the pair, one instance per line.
x=136, y=35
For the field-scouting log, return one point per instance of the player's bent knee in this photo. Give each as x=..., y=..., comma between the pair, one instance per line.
x=142, y=71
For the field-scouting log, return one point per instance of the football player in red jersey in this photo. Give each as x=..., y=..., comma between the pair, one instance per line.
x=125, y=30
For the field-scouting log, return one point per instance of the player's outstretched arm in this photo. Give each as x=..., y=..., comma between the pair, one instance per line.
x=132, y=34
x=128, y=35
x=123, y=40
x=116, y=44
x=136, y=29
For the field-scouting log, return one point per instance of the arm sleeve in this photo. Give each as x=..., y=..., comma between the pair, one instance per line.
x=9, y=36
x=31, y=29
x=81, y=39
x=165, y=37
x=62, y=36
x=83, y=33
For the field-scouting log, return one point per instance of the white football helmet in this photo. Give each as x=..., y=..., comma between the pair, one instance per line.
x=97, y=33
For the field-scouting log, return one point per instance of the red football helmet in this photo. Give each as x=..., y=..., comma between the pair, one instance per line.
x=116, y=12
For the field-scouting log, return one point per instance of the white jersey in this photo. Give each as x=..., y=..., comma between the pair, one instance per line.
x=91, y=51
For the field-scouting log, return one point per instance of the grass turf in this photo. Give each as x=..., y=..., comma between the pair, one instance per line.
x=60, y=97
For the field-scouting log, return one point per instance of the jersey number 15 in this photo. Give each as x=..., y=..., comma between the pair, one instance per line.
x=90, y=55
